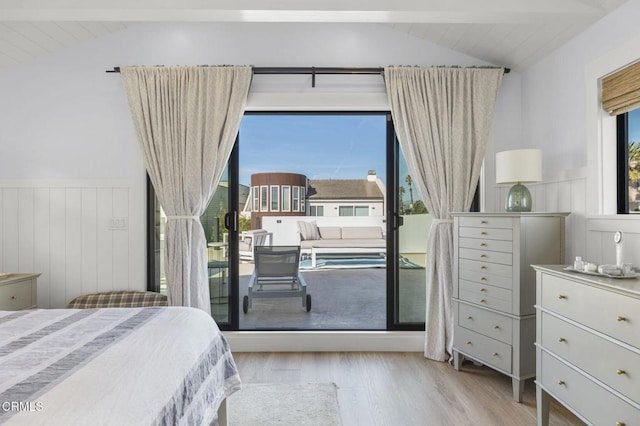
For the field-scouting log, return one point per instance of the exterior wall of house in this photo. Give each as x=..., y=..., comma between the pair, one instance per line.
x=282, y=205
x=64, y=123
x=332, y=208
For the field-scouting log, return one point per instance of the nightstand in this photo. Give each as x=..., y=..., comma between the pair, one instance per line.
x=18, y=292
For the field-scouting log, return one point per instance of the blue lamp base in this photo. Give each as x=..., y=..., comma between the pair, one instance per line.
x=518, y=199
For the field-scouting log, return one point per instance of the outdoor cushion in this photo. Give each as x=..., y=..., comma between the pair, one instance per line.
x=361, y=232
x=308, y=230
x=330, y=232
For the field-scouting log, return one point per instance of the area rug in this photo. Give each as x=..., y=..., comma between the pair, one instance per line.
x=285, y=404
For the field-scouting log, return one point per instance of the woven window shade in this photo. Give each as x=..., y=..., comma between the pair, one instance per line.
x=621, y=90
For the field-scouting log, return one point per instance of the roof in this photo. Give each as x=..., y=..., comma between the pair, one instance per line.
x=344, y=189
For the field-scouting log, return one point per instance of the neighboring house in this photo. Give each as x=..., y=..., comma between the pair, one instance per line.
x=347, y=197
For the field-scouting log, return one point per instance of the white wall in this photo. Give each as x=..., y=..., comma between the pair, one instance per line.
x=561, y=116
x=65, y=122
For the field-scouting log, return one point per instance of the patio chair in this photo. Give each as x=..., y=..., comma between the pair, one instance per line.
x=276, y=274
x=250, y=239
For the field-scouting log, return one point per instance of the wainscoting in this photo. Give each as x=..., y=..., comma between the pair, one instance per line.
x=588, y=236
x=82, y=236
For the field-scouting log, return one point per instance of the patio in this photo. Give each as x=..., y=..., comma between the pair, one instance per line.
x=342, y=299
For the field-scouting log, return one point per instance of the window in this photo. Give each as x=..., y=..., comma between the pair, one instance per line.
x=275, y=198
x=264, y=198
x=256, y=199
x=628, y=169
x=296, y=199
x=361, y=210
x=353, y=211
x=286, y=198
x=302, y=198
x=316, y=210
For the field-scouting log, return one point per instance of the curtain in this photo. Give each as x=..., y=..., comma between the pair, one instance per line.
x=186, y=119
x=442, y=118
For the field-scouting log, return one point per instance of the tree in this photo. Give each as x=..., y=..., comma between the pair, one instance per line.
x=400, y=199
x=634, y=162
x=410, y=182
x=419, y=208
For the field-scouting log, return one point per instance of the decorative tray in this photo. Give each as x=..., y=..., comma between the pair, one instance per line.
x=634, y=274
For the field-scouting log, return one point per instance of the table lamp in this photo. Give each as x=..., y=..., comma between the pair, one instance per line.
x=519, y=166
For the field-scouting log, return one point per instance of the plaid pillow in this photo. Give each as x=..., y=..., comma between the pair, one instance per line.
x=119, y=299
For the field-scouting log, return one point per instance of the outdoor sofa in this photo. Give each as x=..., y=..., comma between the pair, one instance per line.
x=316, y=240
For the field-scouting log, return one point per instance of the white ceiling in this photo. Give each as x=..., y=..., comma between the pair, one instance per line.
x=511, y=33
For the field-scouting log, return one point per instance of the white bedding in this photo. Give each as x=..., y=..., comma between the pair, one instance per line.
x=135, y=366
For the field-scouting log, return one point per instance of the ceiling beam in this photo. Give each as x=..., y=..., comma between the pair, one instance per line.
x=364, y=11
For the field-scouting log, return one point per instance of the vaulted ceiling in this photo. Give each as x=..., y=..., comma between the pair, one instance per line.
x=511, y=33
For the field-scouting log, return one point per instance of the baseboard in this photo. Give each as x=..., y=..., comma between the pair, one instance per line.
x=325, y=341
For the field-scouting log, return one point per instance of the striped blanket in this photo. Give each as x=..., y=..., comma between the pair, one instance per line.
x=116, y=366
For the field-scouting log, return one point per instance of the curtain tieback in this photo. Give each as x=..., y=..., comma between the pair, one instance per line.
x=183, y=218
x=440, y=221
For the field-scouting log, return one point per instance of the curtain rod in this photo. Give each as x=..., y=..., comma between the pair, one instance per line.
x=317, y=70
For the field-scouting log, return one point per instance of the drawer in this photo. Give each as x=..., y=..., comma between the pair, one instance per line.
x=606, y=361
x=486, y=233
x=482, y=290
x=486, y=256
x=482, y=348
x=610, y=313
x=472, y=296
x=485, y=244
x=489, y=323
x=16, y=296
x=489, y=268
x=594, y=403
x=485, y=278
x=486, y=222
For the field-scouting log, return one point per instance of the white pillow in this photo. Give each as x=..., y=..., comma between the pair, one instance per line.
x=308, y=230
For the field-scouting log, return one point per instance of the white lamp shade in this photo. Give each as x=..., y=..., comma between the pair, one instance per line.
x=519, y=166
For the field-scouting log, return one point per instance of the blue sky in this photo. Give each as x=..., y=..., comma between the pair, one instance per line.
x=317, y=146
x=634, y=125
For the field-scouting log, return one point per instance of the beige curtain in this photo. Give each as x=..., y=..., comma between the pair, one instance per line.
x=187, y=119
x=442, y=118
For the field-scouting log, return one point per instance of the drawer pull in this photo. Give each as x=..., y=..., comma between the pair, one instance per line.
x=483, y=233
x=484, y=222
x=620, y=318
x=562, y=296
x=621, y=424
x=483, y=255
x=561, y=382
x=562, y=339
x=483, y=301
x=483, y=244
x=483, y=267
x=496, y=327
x=483, y=278
x=495, y=354
x=483, y=289
x=620, y=372
x=468, y=342
x=13, y=298
x=469, y=317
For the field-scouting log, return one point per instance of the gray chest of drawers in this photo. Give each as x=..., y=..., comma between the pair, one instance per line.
x=494, y=287
x=588, y=346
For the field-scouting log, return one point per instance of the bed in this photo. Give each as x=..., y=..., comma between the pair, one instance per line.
x=120, y=366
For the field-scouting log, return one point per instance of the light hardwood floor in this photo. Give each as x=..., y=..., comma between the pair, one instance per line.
x=403, y=388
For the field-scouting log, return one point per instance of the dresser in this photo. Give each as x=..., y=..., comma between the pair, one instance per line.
x=18, y=291
x=494, y=287
x=588, y=346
